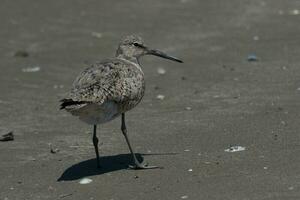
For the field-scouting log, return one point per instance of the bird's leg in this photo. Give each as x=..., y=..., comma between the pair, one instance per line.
x=138, y=165
x=95, y=142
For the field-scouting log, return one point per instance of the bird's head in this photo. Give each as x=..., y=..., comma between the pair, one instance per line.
x=133, y=47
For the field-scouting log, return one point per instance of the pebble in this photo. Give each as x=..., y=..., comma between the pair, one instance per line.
x=21, y=53
x=235, y=149
x=50, y=188
x=161, y=71
x=284, y=67
x=31, y=158
x=52, y=150
x=291, y=188
x=7, y=137
x=252, y=57
x=65, y=195
x=295, y=12
x=58, y=86
x=283, y=123
x=184, y=197
x=188, y=108
x=190, y=170
x=256, y=38
x=31, y=69
x=96, y=34
x=160, y=97
x=156, y=87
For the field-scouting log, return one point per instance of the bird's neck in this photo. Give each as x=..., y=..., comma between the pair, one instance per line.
x=130, y=59
x=132, y=62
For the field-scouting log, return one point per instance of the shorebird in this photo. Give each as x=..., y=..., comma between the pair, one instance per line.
x=108, y=89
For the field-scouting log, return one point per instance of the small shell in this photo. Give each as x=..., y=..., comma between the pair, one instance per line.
x=235, y=149
x=188, y=108
x=96, y=34
x=85, y=181
x=295, y=12
x=31, y=69
x=160, y=97
x=255, y=38
x=161, y=71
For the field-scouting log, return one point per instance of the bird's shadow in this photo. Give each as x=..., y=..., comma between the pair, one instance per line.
x=89, y=167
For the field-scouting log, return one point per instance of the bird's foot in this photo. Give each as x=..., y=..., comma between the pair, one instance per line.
x=138, y=166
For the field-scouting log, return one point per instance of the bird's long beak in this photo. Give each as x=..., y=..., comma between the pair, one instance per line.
x=163, y=55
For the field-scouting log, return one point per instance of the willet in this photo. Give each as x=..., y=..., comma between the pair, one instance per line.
x=109, y=88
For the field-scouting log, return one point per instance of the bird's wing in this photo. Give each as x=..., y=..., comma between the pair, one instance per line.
x=108, y=80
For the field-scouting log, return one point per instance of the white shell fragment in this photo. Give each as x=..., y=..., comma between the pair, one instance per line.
x=31, y=69
x=190, y=170
x=235, y=149
x=184, y=197
x=284, y=67
x=188, y=108
x=96, y=34
x=295, y=12
x=58, y=86
x=161, y=71
x=85, y=181
x=291, y=188
x=255, y=38
x=160, y=97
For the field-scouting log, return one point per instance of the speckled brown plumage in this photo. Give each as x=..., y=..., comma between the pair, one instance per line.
x=108, y=88
x=116, y=80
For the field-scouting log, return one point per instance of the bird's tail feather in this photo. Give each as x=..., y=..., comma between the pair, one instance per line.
x=69, y=102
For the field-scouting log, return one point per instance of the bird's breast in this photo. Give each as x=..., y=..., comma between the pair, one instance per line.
x=133, y=88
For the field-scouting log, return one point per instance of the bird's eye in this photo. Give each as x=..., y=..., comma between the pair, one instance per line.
x=138, y=45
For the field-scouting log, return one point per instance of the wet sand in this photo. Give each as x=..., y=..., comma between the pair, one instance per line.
x=215, y=100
